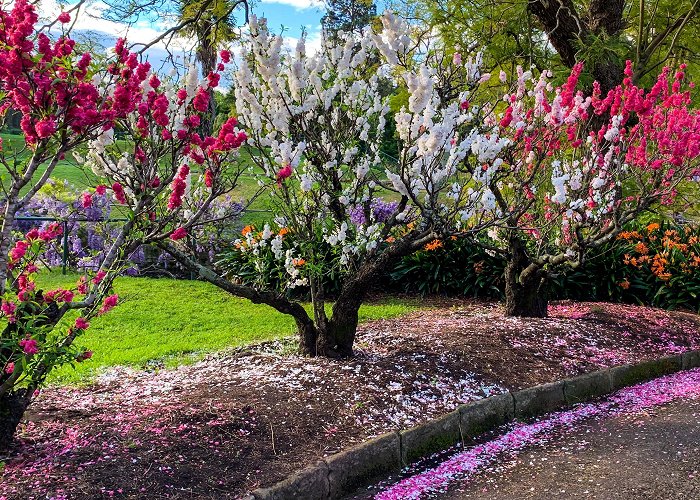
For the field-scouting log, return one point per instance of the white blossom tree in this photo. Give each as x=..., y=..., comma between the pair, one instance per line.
x=316, y=123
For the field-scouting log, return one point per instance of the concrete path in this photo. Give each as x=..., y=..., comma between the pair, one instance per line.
x=653, y=455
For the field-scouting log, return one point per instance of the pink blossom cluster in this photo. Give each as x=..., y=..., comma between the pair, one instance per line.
x=58, y=295
x=550, y=143
x=179, y=185
x=109, y=303
x=51, y=85
x=19, y=251
x=29, y=346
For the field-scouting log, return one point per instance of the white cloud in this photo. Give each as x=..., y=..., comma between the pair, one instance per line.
x=90, y=18
x=314, y=42
x=297, y=4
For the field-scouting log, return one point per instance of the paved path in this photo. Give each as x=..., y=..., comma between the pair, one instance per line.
x=654, y=455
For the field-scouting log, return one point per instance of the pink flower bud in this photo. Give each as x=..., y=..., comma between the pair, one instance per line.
x=178, y=234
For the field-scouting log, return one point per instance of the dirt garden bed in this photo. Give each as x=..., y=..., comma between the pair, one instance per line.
x=239, y=420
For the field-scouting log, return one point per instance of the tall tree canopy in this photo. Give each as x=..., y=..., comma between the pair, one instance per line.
x=348, y=16
x=213, y=24
x=603, y=33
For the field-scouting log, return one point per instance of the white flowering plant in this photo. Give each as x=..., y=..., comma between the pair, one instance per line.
x=317, y=123
x=545, y=172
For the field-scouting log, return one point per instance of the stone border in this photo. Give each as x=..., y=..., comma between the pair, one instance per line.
x=343, y=473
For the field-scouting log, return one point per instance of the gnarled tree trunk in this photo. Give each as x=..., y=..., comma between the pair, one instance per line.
x=568, y=29
x=337, y=338
x=526, y=285
x=12, y=407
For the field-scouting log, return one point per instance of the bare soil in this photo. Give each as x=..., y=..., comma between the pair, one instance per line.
x=248, y=418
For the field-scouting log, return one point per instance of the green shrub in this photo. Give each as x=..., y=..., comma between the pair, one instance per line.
x=615, y=272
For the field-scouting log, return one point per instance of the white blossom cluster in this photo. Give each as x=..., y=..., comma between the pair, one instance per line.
x=319, y=121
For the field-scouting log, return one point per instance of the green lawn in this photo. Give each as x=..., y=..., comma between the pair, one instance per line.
x=176, y=321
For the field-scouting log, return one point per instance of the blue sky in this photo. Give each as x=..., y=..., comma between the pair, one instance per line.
x=294, y=15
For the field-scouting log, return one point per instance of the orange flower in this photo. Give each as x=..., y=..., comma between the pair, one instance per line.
x=283, y=231
x=298, y=262
x=433, y=245
x=653, y=227
x=624, y=284
x=390, y=239
x=247, y=230
x=641, y=248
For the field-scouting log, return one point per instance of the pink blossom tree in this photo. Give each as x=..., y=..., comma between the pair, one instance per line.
x=67, y=101
x=574, y=169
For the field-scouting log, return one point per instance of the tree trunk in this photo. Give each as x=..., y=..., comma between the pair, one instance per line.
x=12, y=407
x=308, y=337
x=337, y=339
x=207, y=57
x=526, y=287
x=567, y=29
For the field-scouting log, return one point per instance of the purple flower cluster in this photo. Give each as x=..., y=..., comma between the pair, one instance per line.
x=91, y=230
x=380, y=211
x=210, y=239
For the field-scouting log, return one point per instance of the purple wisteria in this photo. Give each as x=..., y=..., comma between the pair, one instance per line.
x=380, y=211
x=92, y=227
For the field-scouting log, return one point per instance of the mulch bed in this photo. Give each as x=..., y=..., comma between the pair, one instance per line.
x=243, y=419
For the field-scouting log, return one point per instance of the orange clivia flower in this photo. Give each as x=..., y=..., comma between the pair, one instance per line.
x=641, y=248
x=248, y=229
x=283, y=231
x=390, y=239
x=433, y=245
x=653, y=227
x=298, y=262
x=624, y=284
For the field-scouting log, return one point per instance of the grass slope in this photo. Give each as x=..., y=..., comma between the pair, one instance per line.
x=175, y=321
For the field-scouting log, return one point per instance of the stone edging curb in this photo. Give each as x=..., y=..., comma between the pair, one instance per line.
x=343, y=473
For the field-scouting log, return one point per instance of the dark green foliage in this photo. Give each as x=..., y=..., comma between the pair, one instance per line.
x=462, y=268
x=459, y=267
x=348, y=16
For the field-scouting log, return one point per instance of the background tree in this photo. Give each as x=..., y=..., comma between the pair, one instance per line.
x=213, y=25
x=348, y=16
x=602, y=33
x=67, y=102
x=564, y=187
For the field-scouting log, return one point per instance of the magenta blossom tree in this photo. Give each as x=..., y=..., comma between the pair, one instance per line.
x=559, y=183
x=68, y=102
